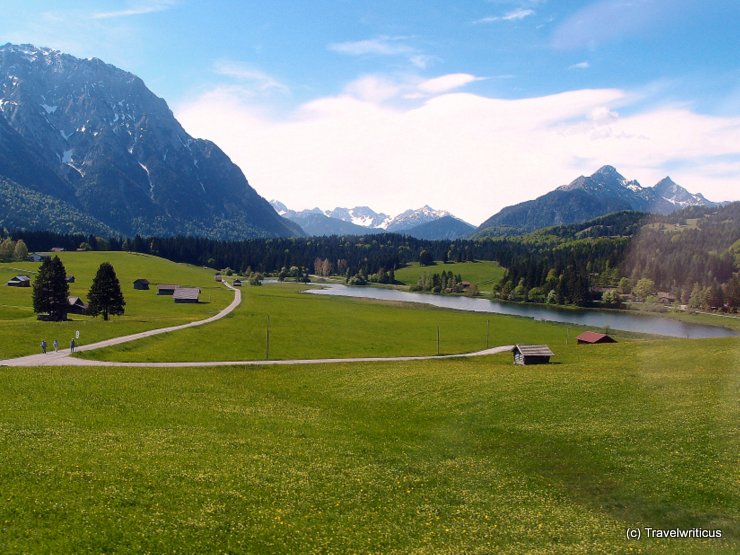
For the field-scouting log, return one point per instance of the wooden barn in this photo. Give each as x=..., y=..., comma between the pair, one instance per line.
x=19, y=281
x=532, y=354
x=237, y=283
x=166, y=289
x=592, y=337
x=76, y=306
x=141, y=284
x=186, y=295
x=218, y=277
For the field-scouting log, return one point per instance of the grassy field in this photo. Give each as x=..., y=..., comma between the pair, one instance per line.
x=468, y=456
x=22, y=333
x=484, y=273
x=312, y=326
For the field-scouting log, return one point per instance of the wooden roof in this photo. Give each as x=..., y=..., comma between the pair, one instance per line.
x=593, y=337
x=76, y=301
x=20, y=278
x=167, y=286
x=186, y=293
x=141, y=280
x=534, y=350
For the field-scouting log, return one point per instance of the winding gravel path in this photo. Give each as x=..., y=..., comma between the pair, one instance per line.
x=63, y=358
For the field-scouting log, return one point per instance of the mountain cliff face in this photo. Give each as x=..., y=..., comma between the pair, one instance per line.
x=586, y=198
x=93, y=136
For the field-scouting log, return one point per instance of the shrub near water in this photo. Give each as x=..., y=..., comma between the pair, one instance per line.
x=438, y=456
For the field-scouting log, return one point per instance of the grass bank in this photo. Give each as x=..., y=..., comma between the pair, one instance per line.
x=482, y=273
x=22, y=333
x=304, y=326
x=467, y=456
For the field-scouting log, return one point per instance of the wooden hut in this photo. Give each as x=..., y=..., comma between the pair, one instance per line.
x=19, y=281
x=532, y=354
x=186, y=295
x=166, y=289
x=76, y=306
x=592, y=337
x=237, y=283
x=218, y=277
x=141, y=284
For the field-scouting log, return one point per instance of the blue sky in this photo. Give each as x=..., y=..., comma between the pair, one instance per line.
x=468, y=105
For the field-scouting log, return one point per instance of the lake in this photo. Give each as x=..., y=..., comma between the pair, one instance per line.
x=594, y=318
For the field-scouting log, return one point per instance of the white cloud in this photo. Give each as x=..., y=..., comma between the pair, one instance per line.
x=380, y=46
x=140, y=8
x=465, y=153
x=254, y=78
x=447, y=83
x=514, y=15
x=580, y=65
x=384, y=46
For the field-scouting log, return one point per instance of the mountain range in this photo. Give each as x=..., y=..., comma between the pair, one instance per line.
x=586, y=198
x=85, y=147
x=422, y=223
x=84, y=138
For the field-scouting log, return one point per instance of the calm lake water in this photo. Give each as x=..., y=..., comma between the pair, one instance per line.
x=597, y=319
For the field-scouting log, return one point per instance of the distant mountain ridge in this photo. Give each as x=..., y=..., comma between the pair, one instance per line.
x=585, y=198
x=94, y=137
x=422, y=223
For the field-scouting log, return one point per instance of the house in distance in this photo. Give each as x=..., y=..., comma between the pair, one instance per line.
x=186, y=295
x=141, y=284
x=19, y=281
x=76, y=306
x=592, y=337
x=532, y=354
x=166, y=289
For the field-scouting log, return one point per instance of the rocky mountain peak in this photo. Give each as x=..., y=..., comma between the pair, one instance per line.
x=123, y=156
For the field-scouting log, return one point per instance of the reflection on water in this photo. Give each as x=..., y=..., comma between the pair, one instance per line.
x=592, y=318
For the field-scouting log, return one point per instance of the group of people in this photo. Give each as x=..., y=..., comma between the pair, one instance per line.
x=55, y=345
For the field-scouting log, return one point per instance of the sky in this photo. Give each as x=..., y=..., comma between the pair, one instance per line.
x=465, y=105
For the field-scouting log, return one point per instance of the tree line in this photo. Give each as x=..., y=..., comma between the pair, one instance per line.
x=693, y=252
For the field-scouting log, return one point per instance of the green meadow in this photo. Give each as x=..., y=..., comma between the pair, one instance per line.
x=21, y=333
x=305, y=326
x=484, y=273
x=441, y=456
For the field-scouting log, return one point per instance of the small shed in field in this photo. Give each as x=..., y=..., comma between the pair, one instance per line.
x=186, y=295
x=36, y=257
x=166, y=289
x=19, y=281
x=70, y=279
x=592, y=337
x=218, y=277
x=237, y=283
x=532, y=354
x=141, y=284
x=76, y=306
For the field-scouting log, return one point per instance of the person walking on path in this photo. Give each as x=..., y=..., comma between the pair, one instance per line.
x=72, y=346
x=55, y=344
x=43, y=346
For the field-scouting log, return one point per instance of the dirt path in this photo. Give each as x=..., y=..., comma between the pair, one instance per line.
x=63, y=358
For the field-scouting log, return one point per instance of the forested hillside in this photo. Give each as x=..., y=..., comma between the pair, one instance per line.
x=693, y=255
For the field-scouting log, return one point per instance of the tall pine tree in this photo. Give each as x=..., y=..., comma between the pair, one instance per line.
x=105, y=296
x=51, y=290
